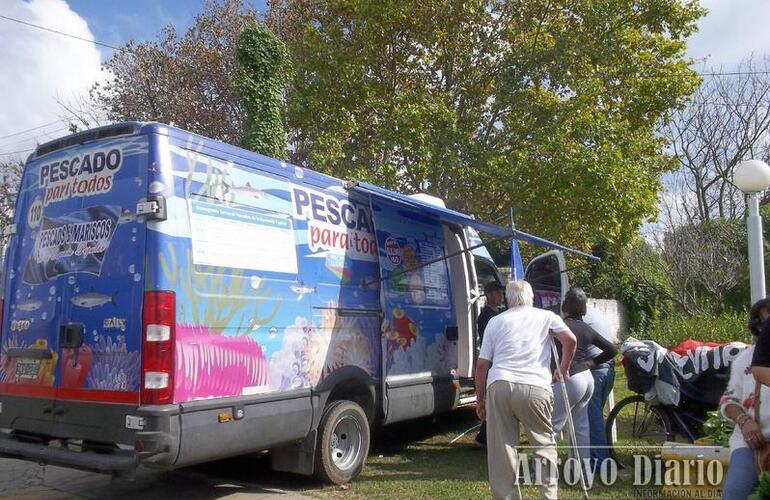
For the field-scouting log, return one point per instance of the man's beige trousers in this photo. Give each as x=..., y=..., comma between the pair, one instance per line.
x=507, y=405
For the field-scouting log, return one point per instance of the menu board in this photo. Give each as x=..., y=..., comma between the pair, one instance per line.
x=234, y=237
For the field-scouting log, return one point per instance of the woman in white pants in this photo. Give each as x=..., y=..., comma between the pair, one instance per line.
x=580, y=386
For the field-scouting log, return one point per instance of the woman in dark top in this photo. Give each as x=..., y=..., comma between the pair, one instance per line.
x=580, y=386
x=760, y=328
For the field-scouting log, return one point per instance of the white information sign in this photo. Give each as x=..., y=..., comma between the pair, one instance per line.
x=243, y=239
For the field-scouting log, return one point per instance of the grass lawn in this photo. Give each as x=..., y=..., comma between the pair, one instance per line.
x=416, y=460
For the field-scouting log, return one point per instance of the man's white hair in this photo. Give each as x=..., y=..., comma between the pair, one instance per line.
x=519, y=293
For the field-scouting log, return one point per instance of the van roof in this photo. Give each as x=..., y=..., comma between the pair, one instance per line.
x=277, y=167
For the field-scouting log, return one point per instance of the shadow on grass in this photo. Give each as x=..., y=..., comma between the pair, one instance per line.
x=416, y=449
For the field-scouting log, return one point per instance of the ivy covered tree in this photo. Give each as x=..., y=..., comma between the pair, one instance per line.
x=263, y=69
x=551, y=107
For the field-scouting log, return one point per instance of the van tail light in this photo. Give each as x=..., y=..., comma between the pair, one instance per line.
x=158, y=332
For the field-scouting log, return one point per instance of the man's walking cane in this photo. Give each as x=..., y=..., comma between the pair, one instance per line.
x=570, y=422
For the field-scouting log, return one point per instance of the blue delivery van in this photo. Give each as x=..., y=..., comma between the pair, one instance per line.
x=170, y=300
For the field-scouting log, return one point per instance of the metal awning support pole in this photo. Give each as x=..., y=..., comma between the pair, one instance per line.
x=570, y=423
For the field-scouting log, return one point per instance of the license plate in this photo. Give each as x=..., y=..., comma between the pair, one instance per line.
x=27, y=368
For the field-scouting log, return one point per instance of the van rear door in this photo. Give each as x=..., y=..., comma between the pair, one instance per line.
x=72, y=315
x=547, y=274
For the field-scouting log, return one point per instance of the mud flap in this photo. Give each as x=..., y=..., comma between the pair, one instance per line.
x=298, y=458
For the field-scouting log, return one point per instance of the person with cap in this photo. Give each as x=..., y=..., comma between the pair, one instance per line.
x=495, y=304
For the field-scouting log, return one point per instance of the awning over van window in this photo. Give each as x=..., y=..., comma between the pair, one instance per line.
x=459, y=218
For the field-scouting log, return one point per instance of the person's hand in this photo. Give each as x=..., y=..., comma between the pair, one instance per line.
x=752, y=434
x=481, y=411
x=555, y=378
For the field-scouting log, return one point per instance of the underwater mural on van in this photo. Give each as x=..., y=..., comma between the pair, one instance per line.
x=416, y=298
x=76, y=206
x=261, y=266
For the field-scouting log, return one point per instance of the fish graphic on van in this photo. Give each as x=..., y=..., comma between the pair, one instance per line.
x=301, y=289
x=29, y=305
x=245, y=190
x=126, y=217
x=93, y=299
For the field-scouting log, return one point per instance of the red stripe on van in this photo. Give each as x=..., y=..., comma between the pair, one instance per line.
x=37, y=391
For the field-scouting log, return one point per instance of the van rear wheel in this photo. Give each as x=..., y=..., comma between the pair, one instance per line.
x=343, y=442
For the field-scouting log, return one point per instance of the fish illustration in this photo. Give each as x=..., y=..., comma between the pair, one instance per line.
x=245, y=190
x=29, y=305
x=126, y=217
x=301, y=288
x=93, y=299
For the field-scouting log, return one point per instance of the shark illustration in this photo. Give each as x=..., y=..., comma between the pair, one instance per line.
x=29, y=305
x=93, y=299
x=300, y=288
x=245, y=190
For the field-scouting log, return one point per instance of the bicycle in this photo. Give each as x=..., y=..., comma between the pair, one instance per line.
x=641, y=423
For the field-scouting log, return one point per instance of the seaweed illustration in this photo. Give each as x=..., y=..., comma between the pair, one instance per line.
x=216, y=298
x=215, y=185
x=113, y=366
x=238, y=362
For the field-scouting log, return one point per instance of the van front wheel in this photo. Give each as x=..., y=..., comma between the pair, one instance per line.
x=343, y=442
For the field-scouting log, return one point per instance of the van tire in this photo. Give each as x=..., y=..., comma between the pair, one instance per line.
x=343, y=442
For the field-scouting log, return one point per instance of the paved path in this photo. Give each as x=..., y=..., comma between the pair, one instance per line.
x=231, y=479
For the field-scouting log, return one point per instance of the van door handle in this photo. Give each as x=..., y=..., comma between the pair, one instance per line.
x=71, y=335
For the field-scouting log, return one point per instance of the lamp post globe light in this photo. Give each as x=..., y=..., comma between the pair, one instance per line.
x=753, y=177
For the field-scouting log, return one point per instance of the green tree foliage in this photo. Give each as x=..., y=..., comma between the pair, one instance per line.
x=636, y=277
x=188, y=80
x=549, y=106
x=263, y=69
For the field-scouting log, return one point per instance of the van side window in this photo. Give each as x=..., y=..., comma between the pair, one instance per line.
x=485, y=272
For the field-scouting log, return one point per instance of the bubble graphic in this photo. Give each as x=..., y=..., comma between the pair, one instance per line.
x=11, y=274
x=44, y=316
x=156, y=187
x=299, y=173
x=52, y=290
x=255, y=282
x=137, y=277
x=58, y=299
x=138, y=181
x=132, y=269
x=133, y=239
x=71, y=280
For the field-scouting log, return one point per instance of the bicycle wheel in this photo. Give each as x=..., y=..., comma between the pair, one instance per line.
x=637, y=425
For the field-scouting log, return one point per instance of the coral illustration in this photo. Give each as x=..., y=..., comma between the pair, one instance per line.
x=210, y=365
x=299, y=363
x=349, y=343
x=113, y=367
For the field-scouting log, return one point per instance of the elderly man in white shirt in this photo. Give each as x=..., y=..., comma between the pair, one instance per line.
x=513, y=385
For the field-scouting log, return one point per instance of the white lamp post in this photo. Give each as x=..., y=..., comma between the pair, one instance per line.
x=753, y=177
